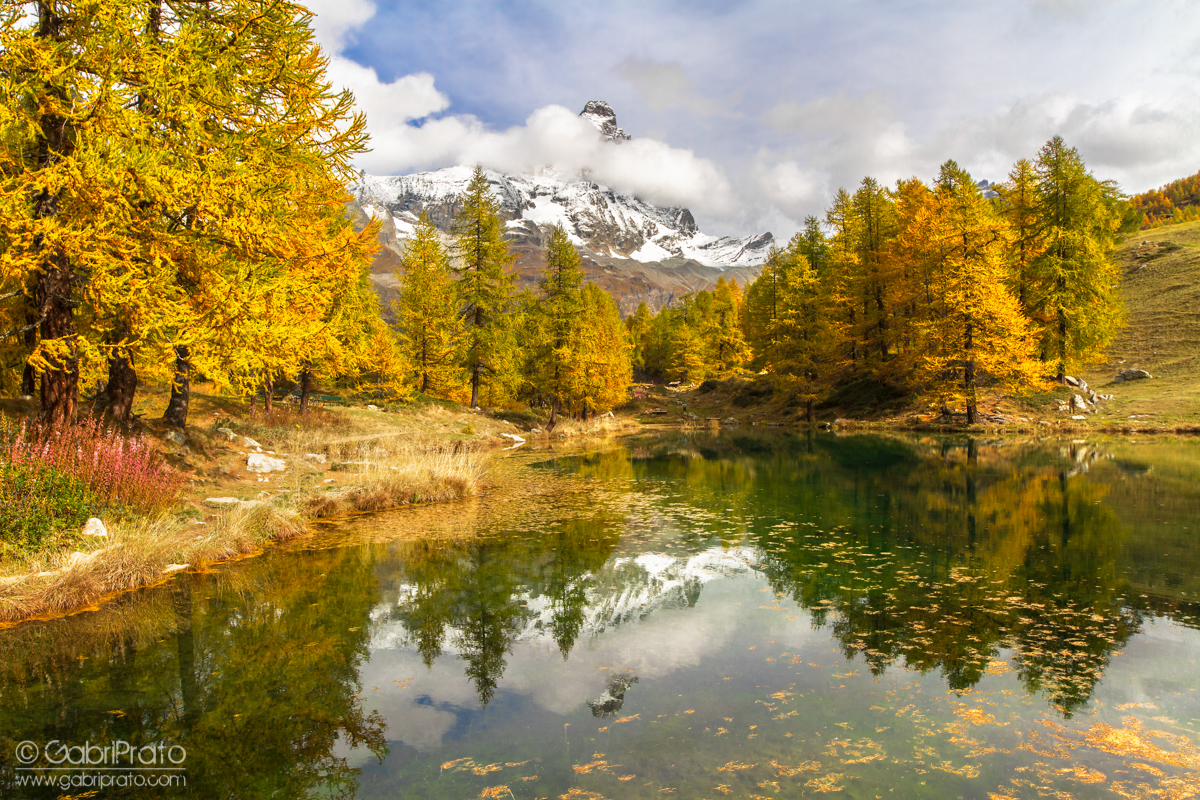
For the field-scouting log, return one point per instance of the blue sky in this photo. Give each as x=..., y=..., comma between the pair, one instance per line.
x=753, y=113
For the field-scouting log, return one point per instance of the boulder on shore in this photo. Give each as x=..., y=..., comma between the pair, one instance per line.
x=258, y=462
x=1131, y=375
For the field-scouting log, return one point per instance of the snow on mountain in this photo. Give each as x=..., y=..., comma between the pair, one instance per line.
x=601, y=114
x=597, y=219
x=601, y=221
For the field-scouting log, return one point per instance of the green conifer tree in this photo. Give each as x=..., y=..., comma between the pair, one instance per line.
x=427, y=318
x=1076, y=292
x=484, y=289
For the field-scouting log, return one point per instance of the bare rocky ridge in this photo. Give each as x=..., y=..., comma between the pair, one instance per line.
x=601, y=114
x=635, y=250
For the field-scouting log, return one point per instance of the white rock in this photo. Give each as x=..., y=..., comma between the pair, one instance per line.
x=174, y=568
x=94, y=527
x=512, y=436
x=317, y=457
x=372, y=408
x=535, y=430
x=227, y=433
x=257, y=462
x=1078, y=416
x=221, y=501
x=248, y=442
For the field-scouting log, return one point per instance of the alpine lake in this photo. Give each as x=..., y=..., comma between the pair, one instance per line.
x=739, y=614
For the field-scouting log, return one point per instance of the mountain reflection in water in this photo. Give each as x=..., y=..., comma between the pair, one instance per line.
x=585, y=588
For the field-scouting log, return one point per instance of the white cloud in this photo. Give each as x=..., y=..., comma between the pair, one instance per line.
x=406, y=137
x=664, y=86
x=334, y=20
x=781, y=104
x=554, y=138
x=386, y=105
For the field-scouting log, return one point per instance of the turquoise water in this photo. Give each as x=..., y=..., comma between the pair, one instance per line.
x=697, y=615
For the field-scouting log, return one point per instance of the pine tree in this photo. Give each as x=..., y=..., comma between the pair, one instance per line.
x=638, y=326
x=607, y=370
x=975, y=329
x=875, y=217
x=558, y=354
x=1076, y=293
x=845, y=269
x=201, y=180
x=730, y=350
x=1019, y=202
x=426, y=312
x=484, y=289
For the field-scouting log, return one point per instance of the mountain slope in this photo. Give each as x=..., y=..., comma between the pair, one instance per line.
x=1161, y=289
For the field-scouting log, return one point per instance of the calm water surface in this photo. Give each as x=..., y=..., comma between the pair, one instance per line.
x=690, y=615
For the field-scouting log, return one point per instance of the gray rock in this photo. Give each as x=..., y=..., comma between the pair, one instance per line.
x=257, y=462
x=535, y=430
x=1078, y=402
x=94, y=527
x=317, y=457
x=221, y=501
x=248, y=442
x=1067, y=379
x=372, y=408
x=176, y=436
x=1132, y=375
x=227, y=433
x=731, y=421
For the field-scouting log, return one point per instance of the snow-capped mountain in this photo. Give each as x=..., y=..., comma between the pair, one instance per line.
x=636, y=250
x=597, y=219
x=601, y=114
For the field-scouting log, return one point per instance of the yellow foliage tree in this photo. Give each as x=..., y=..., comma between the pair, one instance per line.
x=974, y=329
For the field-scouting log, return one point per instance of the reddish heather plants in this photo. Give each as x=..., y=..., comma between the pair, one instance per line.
x=121, y=472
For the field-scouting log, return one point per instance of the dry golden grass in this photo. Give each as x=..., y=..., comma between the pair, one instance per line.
x=397, y=472
x=138, y=554
x=597, y=426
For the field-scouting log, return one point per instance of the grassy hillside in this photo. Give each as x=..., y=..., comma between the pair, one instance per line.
x=1161, y=288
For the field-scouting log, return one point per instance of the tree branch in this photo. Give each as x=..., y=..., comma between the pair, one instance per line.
x=19, y=331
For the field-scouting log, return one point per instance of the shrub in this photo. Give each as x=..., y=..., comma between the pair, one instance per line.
x=37, y=502
x=53, y=478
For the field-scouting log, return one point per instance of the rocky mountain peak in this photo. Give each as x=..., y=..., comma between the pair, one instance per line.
x=601, y=114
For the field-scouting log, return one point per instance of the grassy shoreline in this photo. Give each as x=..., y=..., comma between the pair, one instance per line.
x=331, y=463
x=323, y=465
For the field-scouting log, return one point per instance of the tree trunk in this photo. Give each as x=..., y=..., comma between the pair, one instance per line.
x=269, y=396
x=177, y=409
x=808, y=411
x=28, y=376
x=305, y=389
x=55, y=282
x=553, y=414
x=60, y=380
x=475, y=387
x=969, y=379
x=117, y=398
